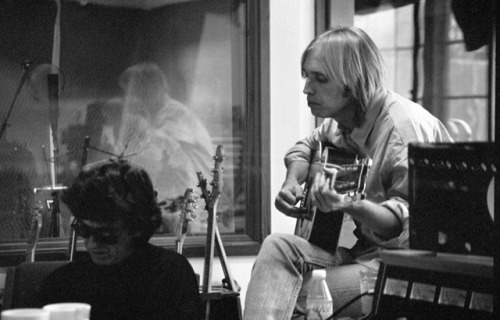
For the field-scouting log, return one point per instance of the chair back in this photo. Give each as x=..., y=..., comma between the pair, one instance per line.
x=24, y=281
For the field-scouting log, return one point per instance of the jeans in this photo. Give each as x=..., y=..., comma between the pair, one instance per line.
x=278, y=271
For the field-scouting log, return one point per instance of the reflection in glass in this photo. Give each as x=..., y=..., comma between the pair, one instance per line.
x=160, y=86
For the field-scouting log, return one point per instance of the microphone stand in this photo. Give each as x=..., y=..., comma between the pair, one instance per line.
x=72, y=238
x=26, y=66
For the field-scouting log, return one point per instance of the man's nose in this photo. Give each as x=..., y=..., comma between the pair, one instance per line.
x=307, y=88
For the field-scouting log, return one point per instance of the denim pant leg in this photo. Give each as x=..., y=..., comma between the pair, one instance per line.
x=344, y=284
x=277, y=275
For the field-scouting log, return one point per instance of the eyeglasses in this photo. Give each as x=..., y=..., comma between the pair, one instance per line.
x=106, y=235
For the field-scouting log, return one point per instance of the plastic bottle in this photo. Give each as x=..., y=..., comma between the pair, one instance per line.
x=317, y=304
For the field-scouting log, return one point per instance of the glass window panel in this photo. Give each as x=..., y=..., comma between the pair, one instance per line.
x=404, y=67
x=465, y=119
x=391, y=70
x=464, y=97
x=471, y=66
x=377, y=26
x=455, y=33
x=114, y=66
x=420, y=76
x=404, y=26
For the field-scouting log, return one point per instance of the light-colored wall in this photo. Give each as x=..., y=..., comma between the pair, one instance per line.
x=291, y=29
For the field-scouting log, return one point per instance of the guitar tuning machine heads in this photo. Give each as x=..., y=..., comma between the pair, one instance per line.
x=203, y=196
x=214, y=184
x=221, y=169
x=219, y=155
x=195, y=197
x=218, y=158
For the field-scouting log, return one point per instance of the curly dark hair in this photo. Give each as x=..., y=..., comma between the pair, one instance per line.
x=115, y=190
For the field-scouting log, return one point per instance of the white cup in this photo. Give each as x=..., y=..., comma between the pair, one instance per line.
x=25, y=314
x=68, y=311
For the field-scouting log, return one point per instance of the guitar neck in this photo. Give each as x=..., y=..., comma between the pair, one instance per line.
x=179, y=244
x=35, y=227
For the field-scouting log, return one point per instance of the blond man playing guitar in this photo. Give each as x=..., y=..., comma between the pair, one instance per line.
x=344, y=85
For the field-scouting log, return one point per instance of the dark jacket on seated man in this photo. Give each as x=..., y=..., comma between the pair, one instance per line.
x=121, y=276
x=152, y=283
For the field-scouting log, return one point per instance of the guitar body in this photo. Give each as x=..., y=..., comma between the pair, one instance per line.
x=323, y=228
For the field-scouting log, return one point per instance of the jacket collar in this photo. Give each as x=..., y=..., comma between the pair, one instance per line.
x=360, y=134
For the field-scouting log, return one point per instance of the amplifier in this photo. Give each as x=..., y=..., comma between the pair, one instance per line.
x=418, y=285
x=451, y=197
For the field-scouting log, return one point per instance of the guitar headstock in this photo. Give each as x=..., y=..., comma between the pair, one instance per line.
x=212, y=196
x=217, y=182
x=188, y=213
x=202, y=183
x=189, y=206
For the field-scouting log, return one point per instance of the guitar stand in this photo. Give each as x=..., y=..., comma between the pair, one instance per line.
x=221, y=302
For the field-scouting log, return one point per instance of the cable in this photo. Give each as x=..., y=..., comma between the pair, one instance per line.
x=339, y=310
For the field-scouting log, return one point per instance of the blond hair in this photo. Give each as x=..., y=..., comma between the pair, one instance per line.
x=350, y=57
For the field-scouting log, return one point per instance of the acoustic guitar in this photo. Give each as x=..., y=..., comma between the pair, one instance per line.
x=323, y=228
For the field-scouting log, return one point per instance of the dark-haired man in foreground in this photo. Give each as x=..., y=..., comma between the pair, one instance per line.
x=121, y=276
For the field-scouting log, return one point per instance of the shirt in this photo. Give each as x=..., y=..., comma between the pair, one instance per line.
x=390, y=124
x=152, y=283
